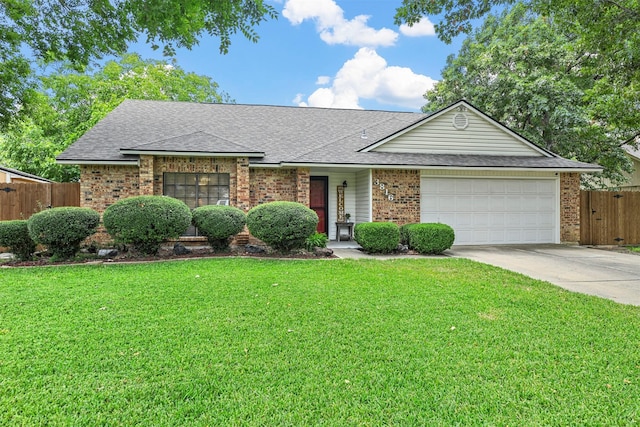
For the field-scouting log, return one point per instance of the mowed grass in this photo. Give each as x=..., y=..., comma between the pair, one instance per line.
x=244, y=342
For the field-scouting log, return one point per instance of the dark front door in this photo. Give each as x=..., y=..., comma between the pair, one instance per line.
x=319, y=200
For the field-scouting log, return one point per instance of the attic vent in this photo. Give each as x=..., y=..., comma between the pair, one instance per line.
x=460, y=121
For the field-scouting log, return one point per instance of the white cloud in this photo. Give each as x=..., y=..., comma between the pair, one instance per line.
x=298, y=100
x=332, y=25
x=367, y=76
x=323, y=80
x=420, y=29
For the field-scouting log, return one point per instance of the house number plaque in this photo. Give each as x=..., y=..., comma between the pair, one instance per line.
x=384, y=189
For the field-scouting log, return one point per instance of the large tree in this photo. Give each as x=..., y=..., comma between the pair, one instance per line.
x=71, y=102
x=573, y=67
x=78, y=31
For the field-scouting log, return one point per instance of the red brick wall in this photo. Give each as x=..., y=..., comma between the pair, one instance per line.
x=404, y=185
x=101, y=186
x=146, y=175
x=270, y=185
x=569, y=207
x=303, y=186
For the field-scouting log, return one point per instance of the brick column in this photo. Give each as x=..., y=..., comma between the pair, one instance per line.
x=303, y=182
x=242, y=184
x=399, y=200
x=146, y=175
x=570, y=207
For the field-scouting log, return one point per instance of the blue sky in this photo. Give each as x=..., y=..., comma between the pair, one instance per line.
x=325, y=53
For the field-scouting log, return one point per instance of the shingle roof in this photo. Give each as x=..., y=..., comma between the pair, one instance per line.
x=23, y=174
x=194, y=143
x=285, y=135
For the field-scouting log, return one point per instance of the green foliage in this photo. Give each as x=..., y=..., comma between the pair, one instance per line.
x=564, y=73
x=62, y=230
x=219, y=224
x=316, y=240
x=404, y=234
x=430, y=238
x=377, y=237
x=14, y=235
x=71, y=103
x=284, y=226
x=42, y=31
x=147, y=221
x=521, y=69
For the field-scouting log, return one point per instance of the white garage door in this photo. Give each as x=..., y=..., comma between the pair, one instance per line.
x=493, y=210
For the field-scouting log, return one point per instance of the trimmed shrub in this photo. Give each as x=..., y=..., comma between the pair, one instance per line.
x=284, y=226
x=404, y=234
x=219, y=224
x=431, y=238
x=14, y=235
x=316, y=240
x=62, y=230
x=147, y=221
x=377, y=237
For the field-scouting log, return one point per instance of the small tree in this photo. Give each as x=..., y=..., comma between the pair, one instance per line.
x=284, y=226
x=219, y=224
x=147, y=221
x=62, y=230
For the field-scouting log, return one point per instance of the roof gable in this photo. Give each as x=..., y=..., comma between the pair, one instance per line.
x=458, y=129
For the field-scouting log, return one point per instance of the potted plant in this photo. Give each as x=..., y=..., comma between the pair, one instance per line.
x=347, y=217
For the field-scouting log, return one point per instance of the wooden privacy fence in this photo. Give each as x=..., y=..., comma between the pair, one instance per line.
x=609, y=217
x=20, y=201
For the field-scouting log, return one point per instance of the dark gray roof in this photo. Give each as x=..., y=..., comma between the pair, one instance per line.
x=194, y=143
x=269, y=135
x=23, y=174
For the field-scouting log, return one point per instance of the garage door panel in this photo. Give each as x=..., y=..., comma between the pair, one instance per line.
x=478, y=203
x=545, y=204
x=493, y=210
x=479, y=187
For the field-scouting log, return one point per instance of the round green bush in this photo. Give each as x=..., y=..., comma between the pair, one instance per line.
x=62, y=230
x=147, y=221
x=284, y=226
x=431, y=238
x=377, y=237
x=14, y=235
x=404, y=233
x=219, y=224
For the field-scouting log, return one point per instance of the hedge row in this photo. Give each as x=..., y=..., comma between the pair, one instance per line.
x=384, y=237
x=145, y=222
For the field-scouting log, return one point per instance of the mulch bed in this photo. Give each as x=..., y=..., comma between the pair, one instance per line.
x=163, y=255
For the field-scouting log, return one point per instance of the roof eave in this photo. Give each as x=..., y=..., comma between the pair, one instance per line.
x=134, y=162
x=440, y=167
x=192, y=153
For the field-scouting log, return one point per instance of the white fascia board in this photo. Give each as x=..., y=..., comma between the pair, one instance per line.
x=100, y=162
x=191, y=153
x=265, y=165
x=420, y=167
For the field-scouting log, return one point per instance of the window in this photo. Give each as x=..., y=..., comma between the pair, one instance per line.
x=197, y=189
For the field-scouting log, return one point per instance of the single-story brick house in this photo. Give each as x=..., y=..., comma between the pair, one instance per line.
x=457, y=166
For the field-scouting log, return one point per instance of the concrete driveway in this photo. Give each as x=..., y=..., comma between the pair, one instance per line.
x=599, y=272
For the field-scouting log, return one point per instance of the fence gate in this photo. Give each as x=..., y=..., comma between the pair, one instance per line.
x=610, y=217
x=21, y=200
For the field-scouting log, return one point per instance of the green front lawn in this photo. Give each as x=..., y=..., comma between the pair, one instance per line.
x=236, y=342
